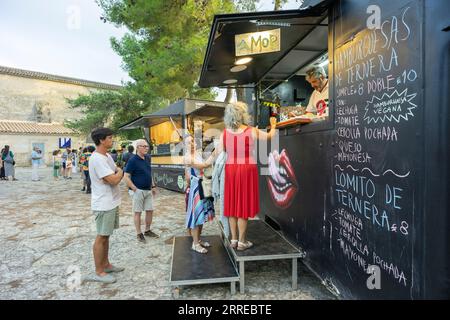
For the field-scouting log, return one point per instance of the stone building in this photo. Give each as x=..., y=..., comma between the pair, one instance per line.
x=33, y=108
x=22, y=136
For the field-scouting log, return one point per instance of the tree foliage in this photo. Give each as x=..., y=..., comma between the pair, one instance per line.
x=108, y=108
x=162, y=52
x=165, y=46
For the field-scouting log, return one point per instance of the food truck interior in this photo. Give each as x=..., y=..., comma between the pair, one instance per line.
x=282, y=47
x=331, y=183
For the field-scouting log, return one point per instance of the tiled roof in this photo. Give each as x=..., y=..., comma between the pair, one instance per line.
x=50, y=77
x=28, y=127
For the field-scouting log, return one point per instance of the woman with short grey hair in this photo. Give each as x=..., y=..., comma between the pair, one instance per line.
x=241, y=194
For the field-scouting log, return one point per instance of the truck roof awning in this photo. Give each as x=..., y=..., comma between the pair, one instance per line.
x=148, y=121
x=303, y=38
x=185, y=107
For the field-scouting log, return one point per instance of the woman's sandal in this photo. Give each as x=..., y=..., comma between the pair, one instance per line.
x=198, y=248
x=205, y=244
x=234, y=244
x=244, y=245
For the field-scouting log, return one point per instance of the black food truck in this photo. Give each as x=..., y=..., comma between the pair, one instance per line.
x=164, y=130
x=364, y=189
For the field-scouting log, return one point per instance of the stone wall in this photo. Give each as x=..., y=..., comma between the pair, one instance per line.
x=21, y=97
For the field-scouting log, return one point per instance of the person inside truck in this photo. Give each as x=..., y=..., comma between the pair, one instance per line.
x=318, y=102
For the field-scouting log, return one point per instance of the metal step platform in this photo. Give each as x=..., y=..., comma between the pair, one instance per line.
x=193, y=268
x=268, y=244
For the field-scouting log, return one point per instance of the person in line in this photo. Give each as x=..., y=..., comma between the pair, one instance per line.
x=8, y=163
x=198, y=211
x=36, y=157
x=241, y=194
x=69, y=164
x=81, y=166
x=105, y=201
x=56, y=161
x=114, y=155
x=138, y=176
x=74, y=159
x=85, y=158
x=65, y=157
x=2, y=168
x=126, y=156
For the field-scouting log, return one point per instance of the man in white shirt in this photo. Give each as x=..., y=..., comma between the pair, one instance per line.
x=105, y=202
x=318, y=102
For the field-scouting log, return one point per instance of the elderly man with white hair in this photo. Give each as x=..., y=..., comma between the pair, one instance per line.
x=138, y=176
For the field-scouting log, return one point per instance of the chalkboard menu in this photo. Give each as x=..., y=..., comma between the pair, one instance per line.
x=170, y=177
x=163, y=148
x=370, y=220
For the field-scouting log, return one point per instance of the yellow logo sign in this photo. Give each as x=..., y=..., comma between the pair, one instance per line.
x=257, y=42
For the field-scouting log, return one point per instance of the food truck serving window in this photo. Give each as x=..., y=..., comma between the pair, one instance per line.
x=270, y=52
x=164, y=133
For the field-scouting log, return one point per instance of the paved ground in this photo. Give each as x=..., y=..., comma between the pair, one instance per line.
x=46, y=236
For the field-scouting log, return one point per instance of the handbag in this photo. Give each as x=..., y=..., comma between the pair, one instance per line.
x=207, y=187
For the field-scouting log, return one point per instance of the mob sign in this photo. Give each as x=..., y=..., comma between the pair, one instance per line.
x=257, y=42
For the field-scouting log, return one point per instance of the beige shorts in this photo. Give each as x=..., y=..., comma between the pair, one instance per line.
x=106, y=221
x=142, y=200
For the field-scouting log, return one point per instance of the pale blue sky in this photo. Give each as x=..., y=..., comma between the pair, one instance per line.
x=65, y=37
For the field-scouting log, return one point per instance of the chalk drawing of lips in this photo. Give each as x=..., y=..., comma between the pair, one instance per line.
x=282, y=182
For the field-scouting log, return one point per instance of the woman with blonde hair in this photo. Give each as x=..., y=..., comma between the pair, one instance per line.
x=241, y=194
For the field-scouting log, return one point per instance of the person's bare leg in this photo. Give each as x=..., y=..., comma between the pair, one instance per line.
x=106, y=260
x=99, y=250
x=137, y=222
x=233, y=227
x=242, y=224
x=200, y=228
x=195, y=235
x=148, y=219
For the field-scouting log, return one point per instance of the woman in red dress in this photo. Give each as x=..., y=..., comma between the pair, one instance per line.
x=241, y=194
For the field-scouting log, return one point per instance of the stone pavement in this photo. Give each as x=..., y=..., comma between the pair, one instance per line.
x=46, y=237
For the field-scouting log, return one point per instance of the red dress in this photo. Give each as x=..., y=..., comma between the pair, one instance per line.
x=241, y=175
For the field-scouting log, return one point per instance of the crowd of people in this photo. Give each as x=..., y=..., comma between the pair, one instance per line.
x=228, y=176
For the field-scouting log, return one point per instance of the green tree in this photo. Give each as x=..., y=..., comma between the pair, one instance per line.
x=108, y=108
x=162, y=52
x=165, y=46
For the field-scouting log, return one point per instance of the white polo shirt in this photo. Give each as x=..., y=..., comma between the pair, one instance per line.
x=318, y=102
